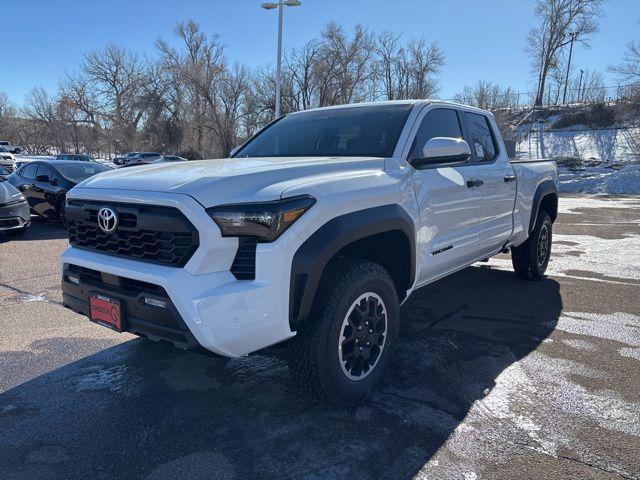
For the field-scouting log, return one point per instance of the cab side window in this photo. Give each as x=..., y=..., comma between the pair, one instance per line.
x=29, y=171
x=439, y=122
x=46, y=170
x=481, y=138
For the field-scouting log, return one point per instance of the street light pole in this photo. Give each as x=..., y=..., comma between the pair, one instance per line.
x=566, y=80
x=280, y=6
x=279, y=59
x=580, y=85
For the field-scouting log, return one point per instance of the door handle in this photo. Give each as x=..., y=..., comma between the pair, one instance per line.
x=509, y=178
x=474, y=183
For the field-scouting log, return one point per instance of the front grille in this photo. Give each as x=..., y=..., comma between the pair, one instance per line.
x=149, y=233
x=8, y=223
x=244, y=263
x=131, y=286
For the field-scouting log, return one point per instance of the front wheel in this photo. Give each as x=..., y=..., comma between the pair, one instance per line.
x=530, y=260
x=341, y=354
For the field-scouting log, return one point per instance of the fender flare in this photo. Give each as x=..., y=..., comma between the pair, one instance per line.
x=546, y=188
x=311, y=258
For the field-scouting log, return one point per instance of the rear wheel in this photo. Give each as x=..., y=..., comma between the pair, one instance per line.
x=342, y=353
x=530, y=260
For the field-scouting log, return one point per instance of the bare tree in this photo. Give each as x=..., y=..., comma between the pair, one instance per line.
x=187, y=98
x=420, y=64
x=300, y=64
x=488, y=96
x=561, y=22
x=629, y=69
x=117, y=77
x=388, y=50
x=589, y=89
x=8, y=124
x=407, y=71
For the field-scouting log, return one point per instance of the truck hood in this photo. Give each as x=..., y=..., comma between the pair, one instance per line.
x=232, y=180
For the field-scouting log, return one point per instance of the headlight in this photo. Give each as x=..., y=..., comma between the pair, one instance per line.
x=16, y=200
x=266, y=221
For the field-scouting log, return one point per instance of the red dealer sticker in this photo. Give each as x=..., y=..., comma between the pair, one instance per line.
x=106, y=311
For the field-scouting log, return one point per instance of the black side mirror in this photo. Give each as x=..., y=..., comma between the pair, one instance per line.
x=43, y=178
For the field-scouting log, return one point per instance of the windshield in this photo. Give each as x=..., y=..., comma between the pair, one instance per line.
x=362, y=131
x=80, y=172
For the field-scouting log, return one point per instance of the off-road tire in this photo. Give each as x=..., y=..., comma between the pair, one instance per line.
x=526, y=258
x=314, y=354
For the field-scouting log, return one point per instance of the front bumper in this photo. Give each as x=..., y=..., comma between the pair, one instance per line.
x=14, y=216
x=215, y=311
x=141, y=318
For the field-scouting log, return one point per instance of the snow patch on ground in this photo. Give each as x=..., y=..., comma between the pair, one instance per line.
x=630, y=352
x=620, y=327
x=573, y=204
x=611, y=258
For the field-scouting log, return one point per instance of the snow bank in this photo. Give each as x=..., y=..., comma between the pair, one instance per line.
x=601, y=180
x=590, y=161
x=612, y=145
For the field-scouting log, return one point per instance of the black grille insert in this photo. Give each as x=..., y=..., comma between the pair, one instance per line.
x=244, y=263
x=149, y=233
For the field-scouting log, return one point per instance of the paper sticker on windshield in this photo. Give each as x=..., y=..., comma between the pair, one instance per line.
x=89, y=170
x=479, y=150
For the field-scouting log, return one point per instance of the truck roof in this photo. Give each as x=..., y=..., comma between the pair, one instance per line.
x=416, y=102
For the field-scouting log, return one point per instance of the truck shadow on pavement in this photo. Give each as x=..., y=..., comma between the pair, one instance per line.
x=143, y=410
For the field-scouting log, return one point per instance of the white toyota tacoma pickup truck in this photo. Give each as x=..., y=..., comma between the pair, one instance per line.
x=313, y=232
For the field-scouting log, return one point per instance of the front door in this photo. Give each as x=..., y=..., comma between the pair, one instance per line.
x=449, y=201
x=45, y=192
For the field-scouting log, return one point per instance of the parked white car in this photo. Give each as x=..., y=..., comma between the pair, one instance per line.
x=7, y=160
x=6, y=145
x=315, y=232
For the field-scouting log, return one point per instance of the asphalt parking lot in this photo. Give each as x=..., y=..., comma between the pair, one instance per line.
x=495, y=377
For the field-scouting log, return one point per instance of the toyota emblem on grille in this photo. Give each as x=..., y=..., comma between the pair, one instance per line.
x=107, y=219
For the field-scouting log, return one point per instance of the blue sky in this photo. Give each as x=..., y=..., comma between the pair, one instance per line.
x=482, y=39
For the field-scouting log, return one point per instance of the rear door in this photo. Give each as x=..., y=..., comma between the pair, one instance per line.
x=449, y=204
x=498, y=177
x=26, y=179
